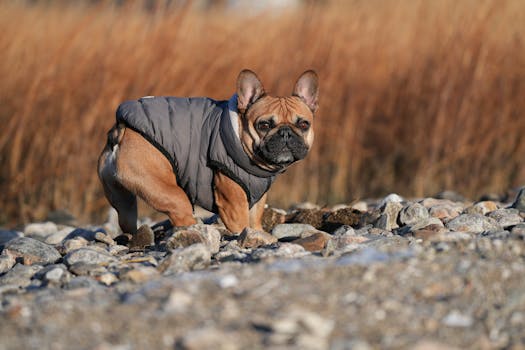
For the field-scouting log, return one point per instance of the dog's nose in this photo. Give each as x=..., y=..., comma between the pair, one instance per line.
x=285, y=132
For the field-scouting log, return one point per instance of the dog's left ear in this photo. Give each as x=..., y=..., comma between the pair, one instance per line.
x=249, y=89
x=307, y=88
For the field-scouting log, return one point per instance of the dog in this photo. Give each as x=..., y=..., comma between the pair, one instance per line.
x=176, y=152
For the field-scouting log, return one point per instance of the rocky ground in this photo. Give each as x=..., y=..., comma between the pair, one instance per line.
x=436, y=273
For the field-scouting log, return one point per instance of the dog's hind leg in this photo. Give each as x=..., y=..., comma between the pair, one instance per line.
x=123, y=200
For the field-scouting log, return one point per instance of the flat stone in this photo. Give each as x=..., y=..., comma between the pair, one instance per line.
x=483, y=208
x=40, y=230
x=20, y=275
x=82, y=268
x=506, y=217
x=194, y=257
x=519, y=202
x=7, y=235
x=412, y=213
x=143, y=238
x=315, y=242
x=291, y=231
x=88, y=256
x=250, y=238
x=6, y=263
x=139, y=274
x=283, y=250
x=473, y=223
x=31, y=251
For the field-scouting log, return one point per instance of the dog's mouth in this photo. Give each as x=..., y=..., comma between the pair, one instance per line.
x=281, y=152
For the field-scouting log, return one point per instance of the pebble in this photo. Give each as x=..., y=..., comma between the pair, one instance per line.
x=31, y=251
x=457, y=319
x=20, y=275
x=143, y=238
x=58, y=237
x=73, y=244
x=6, y=263
x=139, y=274
x=178, y=301
x=483, y=208
x=412, y=213
x=88, y=256
x=194, y=257
x=391, y=198
x=314, y=242
x=40, y=230
x=250, y=238
x=519, y=202
x=104, y=238
x=287, y=232
x=206, y=234
x=389, y=213
x=506, y=217
x=472, y=223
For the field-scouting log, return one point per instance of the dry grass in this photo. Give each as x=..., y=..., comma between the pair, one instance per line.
x=417, y=96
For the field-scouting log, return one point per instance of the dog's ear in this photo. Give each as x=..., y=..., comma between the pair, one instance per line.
x=307, y=88
x=249, y=89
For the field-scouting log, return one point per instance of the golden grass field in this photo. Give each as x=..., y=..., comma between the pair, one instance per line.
x=416, y=96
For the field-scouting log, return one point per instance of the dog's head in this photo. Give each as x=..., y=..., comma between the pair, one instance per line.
x=276, y=131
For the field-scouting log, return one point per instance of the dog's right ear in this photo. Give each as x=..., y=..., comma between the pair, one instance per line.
x=249, y=89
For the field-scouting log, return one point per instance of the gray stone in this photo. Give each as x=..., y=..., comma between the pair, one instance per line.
x=291, y=231
x=431, y=221
x=412, y=213
x=6, y=263
x=391, y=198
x=20, y=275
x=194, y=257
x=31, y=251
x=506, y=217
x=473, y=223
x=86, y=269
x=519, y=230
x=283, y=250
x=389, y=213
x=82, y=282
x=519, y=202
x=40, y=230
x=88, y=256
x=58, y=237
x=75, y=243
x=7, y=235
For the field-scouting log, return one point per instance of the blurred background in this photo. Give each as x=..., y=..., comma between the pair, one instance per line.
x=416, y=96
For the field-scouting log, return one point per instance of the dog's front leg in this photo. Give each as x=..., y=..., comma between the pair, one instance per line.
x=256, y=213
x=231, y=202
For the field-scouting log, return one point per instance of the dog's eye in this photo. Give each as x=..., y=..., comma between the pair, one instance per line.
x=303, y=124
x=265, y=125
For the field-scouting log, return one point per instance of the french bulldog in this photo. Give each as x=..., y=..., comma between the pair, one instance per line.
x=175, y=152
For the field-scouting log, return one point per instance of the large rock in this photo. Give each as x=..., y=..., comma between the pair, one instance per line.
x=88, y=256
x=31, y=251
x=194, y=257
x=483, y=208
x=206, y=234
x=473, y=223
x=19, y=275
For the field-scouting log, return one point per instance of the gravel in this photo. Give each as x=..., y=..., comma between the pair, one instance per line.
x=436, y=273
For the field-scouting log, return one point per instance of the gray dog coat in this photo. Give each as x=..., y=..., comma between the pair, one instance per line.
x=198, y=138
